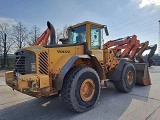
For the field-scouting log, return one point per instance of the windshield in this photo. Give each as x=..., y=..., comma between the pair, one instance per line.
x=77, y=35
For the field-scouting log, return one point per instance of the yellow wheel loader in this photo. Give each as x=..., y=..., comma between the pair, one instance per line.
x=77, y=69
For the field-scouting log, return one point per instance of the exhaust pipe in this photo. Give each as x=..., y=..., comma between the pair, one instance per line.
x=52, y=34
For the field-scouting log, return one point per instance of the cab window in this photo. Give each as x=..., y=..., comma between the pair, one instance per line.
x=77, y=35
x=95, y=37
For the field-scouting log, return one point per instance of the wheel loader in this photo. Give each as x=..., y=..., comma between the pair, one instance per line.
x=77, y=69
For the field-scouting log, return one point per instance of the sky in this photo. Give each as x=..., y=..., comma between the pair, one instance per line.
x=122, y=17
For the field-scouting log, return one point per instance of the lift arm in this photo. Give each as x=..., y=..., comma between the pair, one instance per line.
x=129, y=44
x=43, y=39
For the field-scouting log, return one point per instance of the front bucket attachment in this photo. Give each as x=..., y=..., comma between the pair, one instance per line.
x=142, y=74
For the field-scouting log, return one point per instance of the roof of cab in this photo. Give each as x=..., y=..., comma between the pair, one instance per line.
x=87, y=22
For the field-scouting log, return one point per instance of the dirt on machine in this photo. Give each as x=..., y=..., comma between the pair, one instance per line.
x=79, y=67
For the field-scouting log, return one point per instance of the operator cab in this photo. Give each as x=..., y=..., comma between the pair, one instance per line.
x=88, y=32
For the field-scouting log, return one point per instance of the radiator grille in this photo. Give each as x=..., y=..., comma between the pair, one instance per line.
x=43, y=62
x=19, y=62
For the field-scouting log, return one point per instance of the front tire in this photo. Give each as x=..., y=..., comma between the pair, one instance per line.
x=81, y=89
x=127, y=80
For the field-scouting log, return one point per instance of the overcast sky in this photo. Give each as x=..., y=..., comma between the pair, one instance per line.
x=123, y=17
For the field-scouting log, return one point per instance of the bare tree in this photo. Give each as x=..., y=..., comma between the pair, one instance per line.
x=58, y=35
x=63, y=33
x=5, y=41
x=34, y=34
x=20, y=35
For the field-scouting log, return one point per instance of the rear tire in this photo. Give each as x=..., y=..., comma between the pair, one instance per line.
x=127, y=80
x=81, y=89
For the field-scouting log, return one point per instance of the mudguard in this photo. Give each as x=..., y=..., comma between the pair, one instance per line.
x=115, y=75
x=68, y=65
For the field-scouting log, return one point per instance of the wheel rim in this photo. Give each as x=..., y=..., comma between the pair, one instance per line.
x=87, y=90
x=130, y=77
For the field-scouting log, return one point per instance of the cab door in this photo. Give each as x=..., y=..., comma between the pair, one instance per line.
x=96, y=38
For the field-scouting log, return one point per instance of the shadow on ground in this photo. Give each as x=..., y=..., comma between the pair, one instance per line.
x=111, y=105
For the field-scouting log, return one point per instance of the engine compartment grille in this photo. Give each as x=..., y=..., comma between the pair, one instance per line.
x=43, y=62
x=19, y=62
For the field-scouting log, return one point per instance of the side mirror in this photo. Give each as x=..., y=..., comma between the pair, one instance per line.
x=106, y=30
